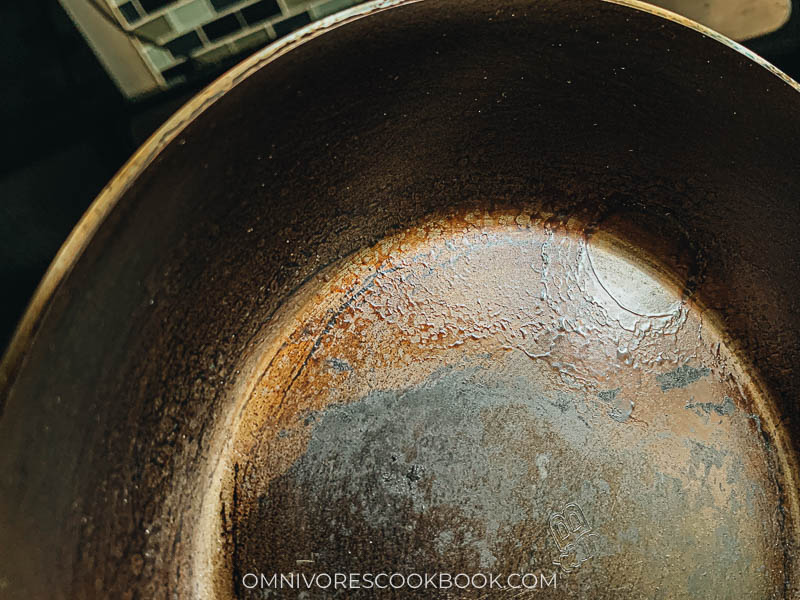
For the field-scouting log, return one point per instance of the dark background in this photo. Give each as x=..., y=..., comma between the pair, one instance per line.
x=67, y=130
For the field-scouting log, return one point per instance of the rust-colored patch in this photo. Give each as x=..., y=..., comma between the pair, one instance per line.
x=560, y=350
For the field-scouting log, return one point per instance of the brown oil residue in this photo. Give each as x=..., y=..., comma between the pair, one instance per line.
x=655, y=420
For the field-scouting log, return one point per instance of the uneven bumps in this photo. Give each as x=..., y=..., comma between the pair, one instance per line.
x=473, y=380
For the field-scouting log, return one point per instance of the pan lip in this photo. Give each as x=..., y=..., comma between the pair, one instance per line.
x=81, y=235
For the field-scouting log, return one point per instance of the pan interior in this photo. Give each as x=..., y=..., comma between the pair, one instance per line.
x=436, y=402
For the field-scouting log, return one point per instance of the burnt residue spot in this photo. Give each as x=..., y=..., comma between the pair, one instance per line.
x=563, y=402
x=608, y=396
x=681, y=377
x=703, y=457
x=415, y=473
x=726, y=408
x=339, y=365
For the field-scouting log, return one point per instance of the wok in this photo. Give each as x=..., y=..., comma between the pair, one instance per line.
x=448, y=286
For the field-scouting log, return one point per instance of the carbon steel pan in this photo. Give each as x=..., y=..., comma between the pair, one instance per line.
x=443, y=286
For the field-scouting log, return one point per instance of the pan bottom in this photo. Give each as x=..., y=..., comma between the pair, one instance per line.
x=494, y=392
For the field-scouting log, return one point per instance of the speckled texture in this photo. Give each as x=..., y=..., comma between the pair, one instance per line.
x=125, y=414
x=473, y=408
